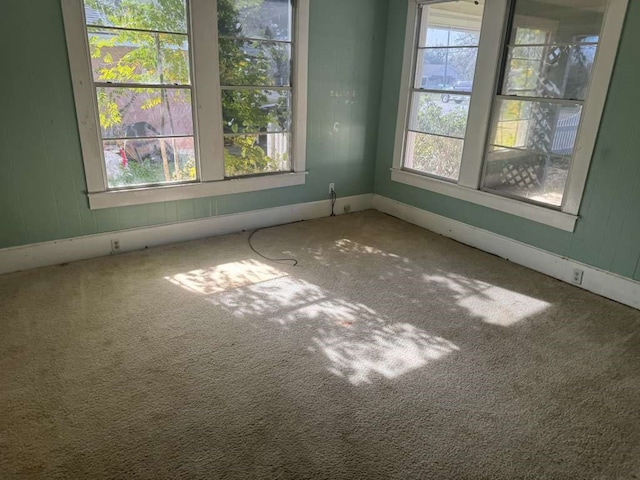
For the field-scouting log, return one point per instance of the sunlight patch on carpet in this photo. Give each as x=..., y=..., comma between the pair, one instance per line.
x=350, y=247
x=359, y=344
x=387, y=350
x=225, y=277
x=495, y=305
x=274, y=297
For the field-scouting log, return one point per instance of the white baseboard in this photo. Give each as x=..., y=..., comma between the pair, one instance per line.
x=68, y=250
x=607, y=284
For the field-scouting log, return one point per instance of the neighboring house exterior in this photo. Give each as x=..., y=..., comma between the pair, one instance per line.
x=438, y=75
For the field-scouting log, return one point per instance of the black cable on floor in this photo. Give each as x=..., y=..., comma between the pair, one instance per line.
x=278, y=260
x=333, y=197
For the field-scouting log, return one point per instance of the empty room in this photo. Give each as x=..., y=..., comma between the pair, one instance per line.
x=319, y=239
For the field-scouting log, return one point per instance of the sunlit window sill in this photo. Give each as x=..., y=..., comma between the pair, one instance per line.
x=536, y=213
x=167, y=193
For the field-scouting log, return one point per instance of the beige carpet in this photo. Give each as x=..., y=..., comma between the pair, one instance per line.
x=388, y=352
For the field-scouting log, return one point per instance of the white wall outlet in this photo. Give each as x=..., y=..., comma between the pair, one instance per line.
x=577, y=276
x=332, y=187
x=347, y=208
x=115, y=245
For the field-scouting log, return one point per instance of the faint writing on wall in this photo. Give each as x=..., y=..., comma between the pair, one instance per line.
x=346, y=96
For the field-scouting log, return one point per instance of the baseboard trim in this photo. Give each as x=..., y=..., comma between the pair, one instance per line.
x=15, y=259
x=606, y=284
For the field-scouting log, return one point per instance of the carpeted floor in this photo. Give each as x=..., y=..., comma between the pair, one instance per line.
x=387, y=352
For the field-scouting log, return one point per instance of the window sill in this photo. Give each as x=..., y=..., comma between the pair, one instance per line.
x=140, y=196
x=552, y=218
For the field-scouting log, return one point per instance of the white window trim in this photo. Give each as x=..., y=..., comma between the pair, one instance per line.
x=207, y=113
x=494, y=26
x=594, y=104
x=168, y=193
x=530, y=211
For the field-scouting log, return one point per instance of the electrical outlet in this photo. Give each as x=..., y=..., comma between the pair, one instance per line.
x=115, y=245
x=347, y=208
x=577, y=276
x=332, y=187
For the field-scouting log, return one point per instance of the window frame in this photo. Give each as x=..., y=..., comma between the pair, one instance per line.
x=492, y=44
x=207, y=113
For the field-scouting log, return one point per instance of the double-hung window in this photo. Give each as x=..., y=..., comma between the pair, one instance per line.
x=181, y=99
x=445, y=63
x=502, y=99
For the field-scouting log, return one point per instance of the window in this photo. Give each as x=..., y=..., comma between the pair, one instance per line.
x=445, y=64
x=141, y=71
x=502, y=101
x=188, y=98
x=255, y=77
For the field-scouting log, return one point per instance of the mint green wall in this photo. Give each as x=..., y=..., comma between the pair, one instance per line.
x=354, y=46
x=42, y=186
x=607, y=234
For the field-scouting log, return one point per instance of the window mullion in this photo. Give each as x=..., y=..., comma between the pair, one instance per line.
x=528, y=98
x=256, y=87
x=166, y=86
x=484, y=88
x=206, y=80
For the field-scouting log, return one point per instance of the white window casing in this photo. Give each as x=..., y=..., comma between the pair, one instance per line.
x=300, y=80
x=84, y=95
x=594, y=104
x=408, y=67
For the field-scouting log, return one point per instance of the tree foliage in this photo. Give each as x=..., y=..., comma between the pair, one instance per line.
x=129, y=56
x=254, y=63
x=439, y=154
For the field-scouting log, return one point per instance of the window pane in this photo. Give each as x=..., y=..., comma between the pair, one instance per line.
x=434, y=155
x=446, y=60
x=446, y=68
x=543, y=127
x=253, y=154
x=556, y=21
x=144, y=112
x=124, y=56
x=445, y=37
x=452, y=24
x=441, y=114
x=157, y=15
x=549, y=71
x=253, y=111
x=147, y=161
x=263, y=19
x=525, y=174
x=254, y=63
